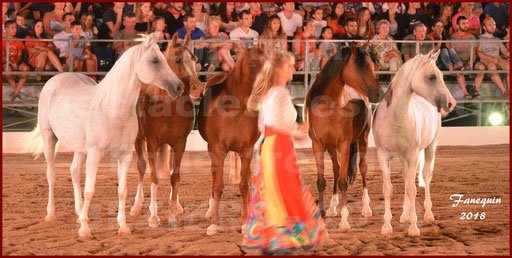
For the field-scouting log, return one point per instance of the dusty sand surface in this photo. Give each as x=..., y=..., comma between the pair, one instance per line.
x=476, y=172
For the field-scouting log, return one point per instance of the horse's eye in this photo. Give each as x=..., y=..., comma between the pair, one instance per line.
x=432, y=77
x=155, y=60
x=178, y=60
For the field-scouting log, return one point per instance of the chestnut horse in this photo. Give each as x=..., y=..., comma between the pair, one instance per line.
x=339, y=115
x=164, y=120
x=226, y=125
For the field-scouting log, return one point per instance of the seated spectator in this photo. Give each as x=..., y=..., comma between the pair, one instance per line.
x=463, y=50
x=336, y=20
x=274, y=31
x=87, y=21
x=365, y=28
x=386, y=54
x=39, y=9
x=351, y=29
x=409, y=20
x=401, y=9
x=259, y=17
x=228, y=17
x=158, y=28
x=129, y=7
x=393, y=15
x=446, y=16
x=41, y=54
x=290, y=21
x=5, y=9
x=375, y=9
x=490, y=59
x=269, y=8
x=24, y=9
x=327, y=48
x=219, y=52
x=241, y=6
x=351, y=8
x=244, y=32
x=200, y=49
x=129, y=32
x=159, y=8
x=54, y=20
x=81, y=50
x=144, y=17
x=299, y=48
x=174, y=17
x=474, y=21
x=112, y=21
x=500, y=13
x=318, y=21
x=200, y=14
x=21, y=26
x=419, y=34
x=448, y=57
x=16, y=63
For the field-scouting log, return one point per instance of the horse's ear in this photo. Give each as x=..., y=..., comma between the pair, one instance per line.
x=353, y=47
x=187, y=39
x=174, y=40
x=435, y=55
x=149, y=40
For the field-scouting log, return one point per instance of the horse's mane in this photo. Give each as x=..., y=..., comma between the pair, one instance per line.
x=405, y=73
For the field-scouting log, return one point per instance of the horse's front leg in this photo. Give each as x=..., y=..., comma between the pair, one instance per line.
x=246, y=158
x=412, y=164
x=318, y=153
x=92, y=163
x=175, y=207
x=363, y=168
x=343, y=160
x=154, y=220
x=387, y=189
x=123, y=163
x=428, y=171
x=218, y=188
x=336, y=170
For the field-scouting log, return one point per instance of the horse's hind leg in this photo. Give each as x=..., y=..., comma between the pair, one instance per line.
x=428, y=171
x=175, y=206
x=331, y=212
x=50, y=140
x=91, y=169
x=246, y=158
x=363, y=168
x=218, y=188
x=76, y=172
x=343, y=160
x=318, y=153
x=387, y=189
x=141, y=167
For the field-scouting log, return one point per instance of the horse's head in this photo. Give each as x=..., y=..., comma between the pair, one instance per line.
x=251, y=61
x=152, y=68
x=427, y=81
x=359, y=72
x=183, y=62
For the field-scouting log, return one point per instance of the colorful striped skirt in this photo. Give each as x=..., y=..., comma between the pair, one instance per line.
x=282, y=213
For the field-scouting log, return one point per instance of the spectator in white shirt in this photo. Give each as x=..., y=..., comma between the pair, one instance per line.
x=318, y=15
x=63, y=46
x=244, y=32
x=290, y=21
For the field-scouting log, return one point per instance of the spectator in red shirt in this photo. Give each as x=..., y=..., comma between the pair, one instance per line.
x=336, y=20
x=16, y=49
x=40, y=53
x=474, y=21
x=299, y=48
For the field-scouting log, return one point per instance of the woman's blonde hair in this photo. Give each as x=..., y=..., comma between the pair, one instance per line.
x=266, y=77
x=138, y=12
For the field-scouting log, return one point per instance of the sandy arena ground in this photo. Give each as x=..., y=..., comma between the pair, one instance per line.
x=476, y=172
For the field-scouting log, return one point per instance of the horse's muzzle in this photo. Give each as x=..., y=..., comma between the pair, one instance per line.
x=174, y=87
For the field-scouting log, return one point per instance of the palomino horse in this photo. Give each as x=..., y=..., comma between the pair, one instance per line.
x=95, y=120
x=339, y=115
x=226, y=125
x=406, y=122
x=164, y=120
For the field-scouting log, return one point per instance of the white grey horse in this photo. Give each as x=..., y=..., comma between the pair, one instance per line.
x=407, y=121
x=98, y=119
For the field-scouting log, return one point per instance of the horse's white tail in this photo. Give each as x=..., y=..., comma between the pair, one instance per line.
x=421, y=164
x=33, y=143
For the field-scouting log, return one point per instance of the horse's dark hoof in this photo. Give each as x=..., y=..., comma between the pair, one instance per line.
x=322, y=212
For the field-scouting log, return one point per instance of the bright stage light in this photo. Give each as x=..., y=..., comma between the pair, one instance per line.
x=495, y=119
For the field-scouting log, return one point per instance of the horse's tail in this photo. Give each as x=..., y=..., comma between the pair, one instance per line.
x=421, y=164
x=33, y=143
x=352, y=163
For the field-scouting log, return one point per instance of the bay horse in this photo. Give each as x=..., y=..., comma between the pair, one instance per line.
x=164, y=120
x=338, y=111
x=407, y=122
x=98, y=119
x=226, y=125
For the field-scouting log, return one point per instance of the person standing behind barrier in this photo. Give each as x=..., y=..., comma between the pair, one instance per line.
x=16, y=63
x=40, y=52
x=419, y=34
x=282, y=215
x=489, y=54
x=386, y=54
x=463, y=50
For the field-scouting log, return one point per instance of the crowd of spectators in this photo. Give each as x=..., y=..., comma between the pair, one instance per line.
x=251, y=22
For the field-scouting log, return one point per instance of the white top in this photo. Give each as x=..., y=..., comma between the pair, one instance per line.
x=277, y=111
x=239, y=34
x=319, y=25
x=290, y=25
x=62, y=45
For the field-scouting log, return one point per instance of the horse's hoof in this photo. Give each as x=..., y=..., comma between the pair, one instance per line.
x=84, y=232
x=135, y=211
x=344, y=226
x=50, y=217
x=331, y=212
x=367, y=212
x=428, y=217
x=404, y=219
x=124, y=231
x=386, y=230
x=154, y=222
x=212, y=229
x=413, y=230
